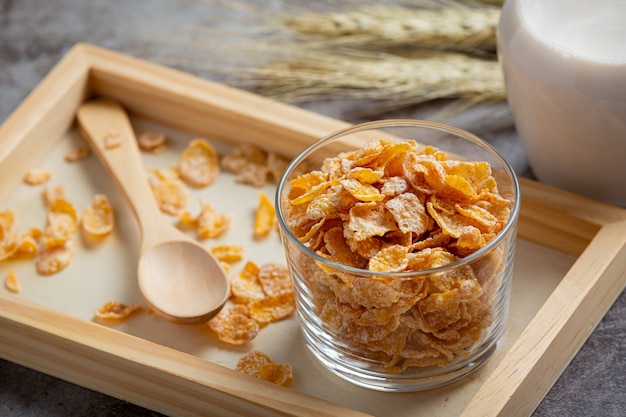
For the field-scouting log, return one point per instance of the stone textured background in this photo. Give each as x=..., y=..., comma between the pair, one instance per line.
x=35, y=34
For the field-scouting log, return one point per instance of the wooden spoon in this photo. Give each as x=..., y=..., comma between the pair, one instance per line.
x=178, y=278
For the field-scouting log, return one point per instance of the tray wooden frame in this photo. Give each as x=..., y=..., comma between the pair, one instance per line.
x=175, y=383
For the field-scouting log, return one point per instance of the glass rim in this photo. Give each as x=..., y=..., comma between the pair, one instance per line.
x=389, y=123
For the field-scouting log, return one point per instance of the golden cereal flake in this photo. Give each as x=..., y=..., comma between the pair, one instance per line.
x=51, y=195
x=11, y=282
x=246, y=287
x=171, y=195
x=37, y=176
x=151, y=141
x=199, y=164
x=260, y=365
x=62, y=223
x=7, y=217
x=234, y=325
x=53, y=259
x=98, y=220
x=77, y=154
x=227, y=253
x=211, y=224
x=112, y=140
x=265, y=218
x=114, y=310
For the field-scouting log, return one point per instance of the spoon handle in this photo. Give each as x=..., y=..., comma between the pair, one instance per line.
x=106, y=126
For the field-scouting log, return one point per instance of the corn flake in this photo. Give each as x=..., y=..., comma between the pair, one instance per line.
x=37, y=176
x=114, y=310
x=272, y=308
x=62, y=223
x=112, y=140
x=234, y=325
x=245, y=286
x=265, y=218
x=50, y=195
x=53, y=259
x=98, y=220
x=199, y=163
x=260, y=365
x=77, y=154
x=11, y=282
x=228, y=253
x=211, y=224
x=151, y=141
x=170, y=193
x=274, y=279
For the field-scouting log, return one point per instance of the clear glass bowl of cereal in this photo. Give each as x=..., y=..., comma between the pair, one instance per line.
x=400, y=239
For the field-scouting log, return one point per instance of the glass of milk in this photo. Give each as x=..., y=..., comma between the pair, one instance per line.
x=564, y=64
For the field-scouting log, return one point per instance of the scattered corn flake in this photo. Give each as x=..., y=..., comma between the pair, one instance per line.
x=241, y=156
x=253, y=174
x=199, y=163
x=186, y=219
x=11, y=282
x=77, y=154
x=265, y=218
x=171, y=195
x=62, y=223
x=7, y=217
x=245, y=286
x=151, y=141
x=16, y=247
x=51, y=260
x=98, y=220
x=170, y=173
x=228, y=253
x=253, y=165
x=114, y=310
x=234, y=325
x=274, y=278
x=272, y=308
x=50, y=195
x=260, y=365
x=211, y=224
x=276, y=165
x=37, y=176
x=112, y=140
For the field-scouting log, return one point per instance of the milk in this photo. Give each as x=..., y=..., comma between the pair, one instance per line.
x=564, y=64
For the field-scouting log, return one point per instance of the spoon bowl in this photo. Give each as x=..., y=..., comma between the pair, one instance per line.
x=177, y=276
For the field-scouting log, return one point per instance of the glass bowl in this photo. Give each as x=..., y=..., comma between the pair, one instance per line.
x=400, y=237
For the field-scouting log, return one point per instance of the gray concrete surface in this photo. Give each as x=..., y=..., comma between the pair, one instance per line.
x=35, y=34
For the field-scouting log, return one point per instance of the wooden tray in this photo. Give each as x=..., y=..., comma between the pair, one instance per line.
x=569, y=269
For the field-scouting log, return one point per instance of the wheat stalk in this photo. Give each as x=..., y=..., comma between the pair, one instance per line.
x=405, y=81
x=456, y=27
